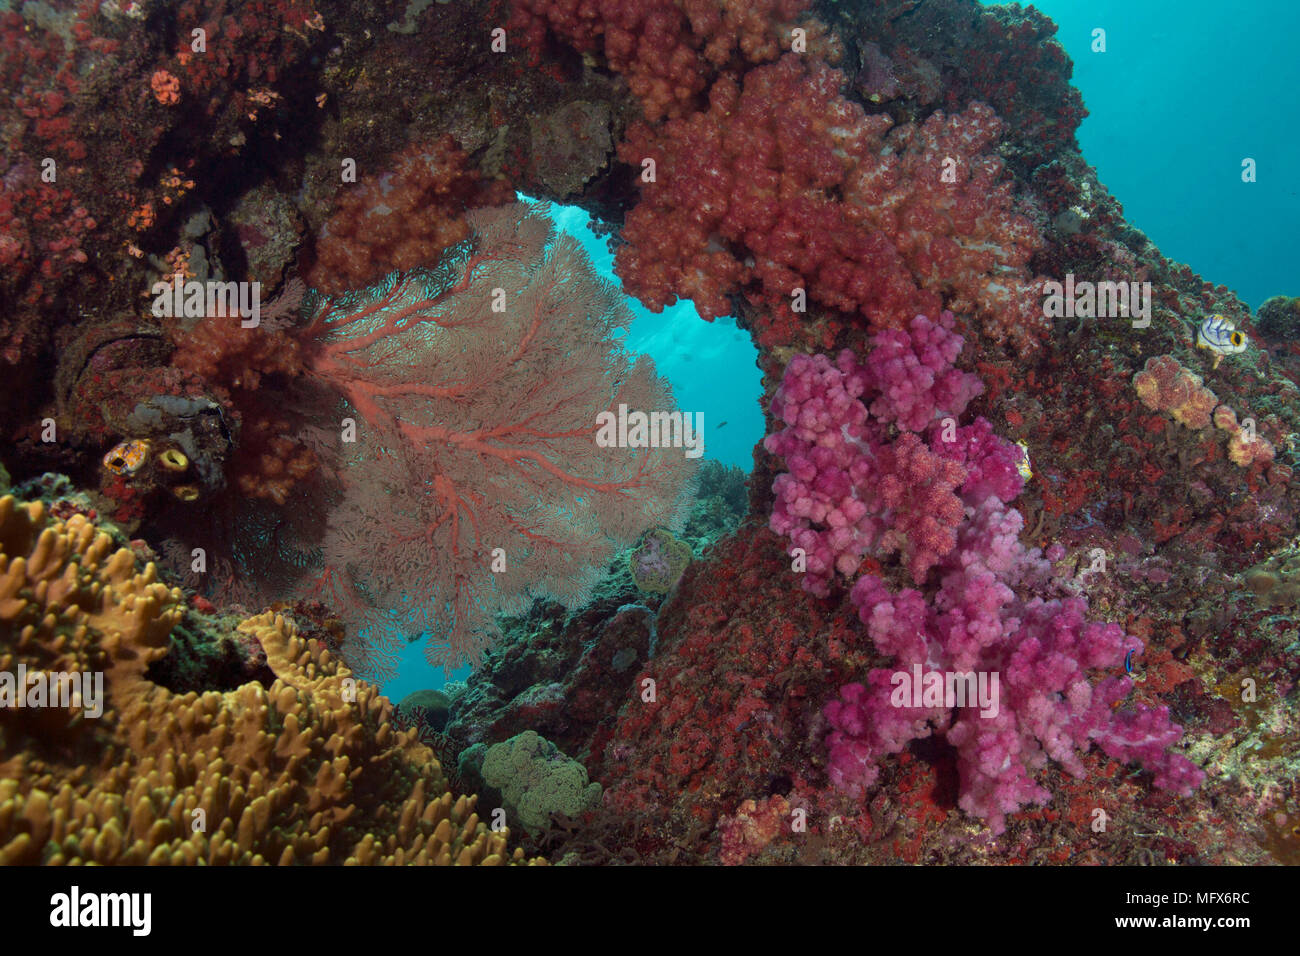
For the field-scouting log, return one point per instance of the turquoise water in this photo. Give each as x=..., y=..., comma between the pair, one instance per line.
x=710, y=365
x=415, y=673
x=1185, y=90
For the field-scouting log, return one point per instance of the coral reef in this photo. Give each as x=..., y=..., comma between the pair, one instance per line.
x=537, y=781
x=567, y=674
x=305, y=770
x=753, y=827
x=428, y=708
x=944, y=55
x=824, y=172
x=1279, y=318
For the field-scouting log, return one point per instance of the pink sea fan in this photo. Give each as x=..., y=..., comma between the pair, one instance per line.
x=475, y=482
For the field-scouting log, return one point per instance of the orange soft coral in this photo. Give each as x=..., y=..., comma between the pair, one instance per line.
x=402, y=219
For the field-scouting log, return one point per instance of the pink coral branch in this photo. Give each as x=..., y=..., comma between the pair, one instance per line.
x=855, y=488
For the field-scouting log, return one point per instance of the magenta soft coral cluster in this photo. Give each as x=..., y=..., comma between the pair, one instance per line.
x=850, y=488
x=995, y=612
x=992, y=606
x=912, y=372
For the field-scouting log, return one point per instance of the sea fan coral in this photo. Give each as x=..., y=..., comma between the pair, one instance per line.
x=475, y=481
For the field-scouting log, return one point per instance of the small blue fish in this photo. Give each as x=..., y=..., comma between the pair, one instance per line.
x=1128, y=661
x=1220, y=335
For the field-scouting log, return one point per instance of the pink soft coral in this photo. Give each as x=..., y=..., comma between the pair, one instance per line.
x=849, y=488
x=864, y=483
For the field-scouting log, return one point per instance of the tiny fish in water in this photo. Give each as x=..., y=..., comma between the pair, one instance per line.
x=1220, y=335
x=1128, y=661
x=720, y=424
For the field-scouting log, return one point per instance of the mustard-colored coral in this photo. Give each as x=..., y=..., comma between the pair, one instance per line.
x=1276, y=580
x=308, y=770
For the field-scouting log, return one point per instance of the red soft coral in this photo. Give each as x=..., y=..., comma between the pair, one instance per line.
x=820, y=196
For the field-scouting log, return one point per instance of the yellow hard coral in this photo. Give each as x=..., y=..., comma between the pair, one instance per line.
x=308, y=770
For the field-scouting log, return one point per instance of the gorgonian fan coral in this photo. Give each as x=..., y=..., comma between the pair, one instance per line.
x=475, y=481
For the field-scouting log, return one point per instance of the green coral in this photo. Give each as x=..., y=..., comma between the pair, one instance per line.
x=658, y=561
x=1276, y=581
x=721, y=500
x=1279, y=318
x=536, y=780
